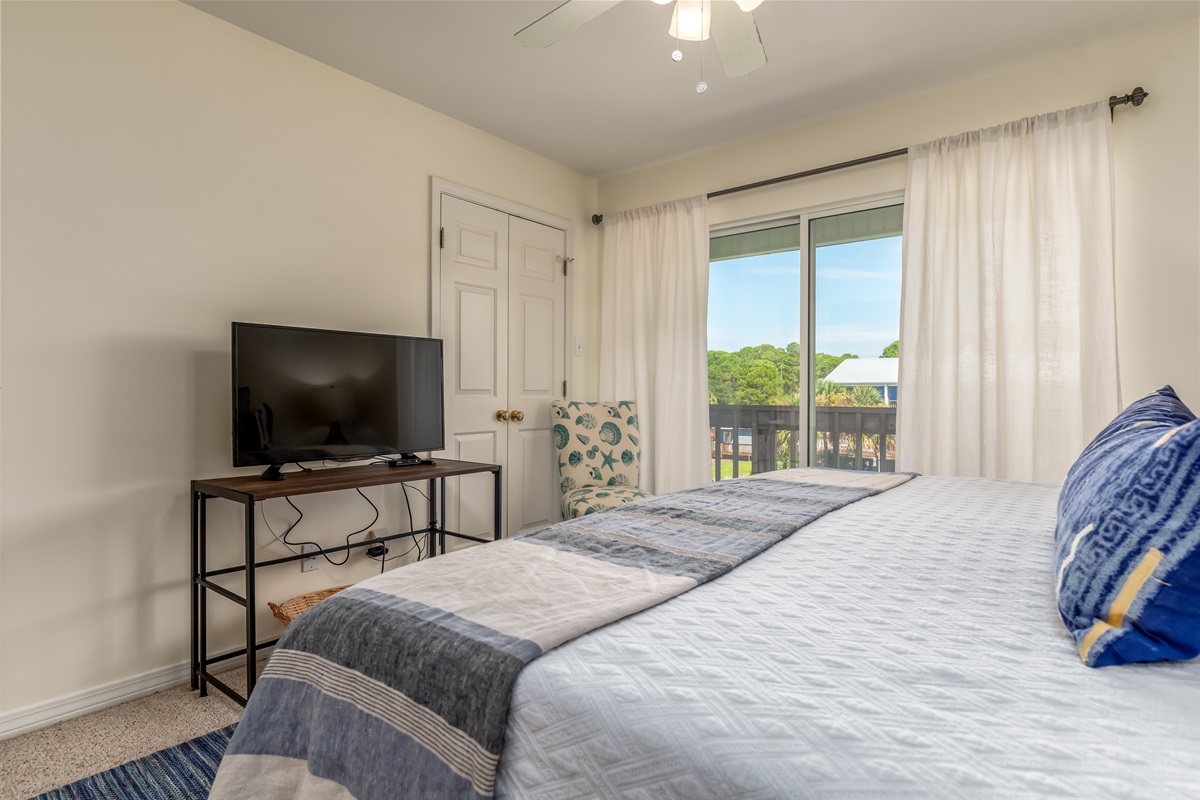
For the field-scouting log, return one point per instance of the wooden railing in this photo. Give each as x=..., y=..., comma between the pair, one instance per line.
x=848, y=437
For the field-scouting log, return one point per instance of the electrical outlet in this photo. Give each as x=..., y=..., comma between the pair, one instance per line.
x=312, y=562
x=377, y=550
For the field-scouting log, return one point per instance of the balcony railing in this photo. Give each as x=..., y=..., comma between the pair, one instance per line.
x=747, y=440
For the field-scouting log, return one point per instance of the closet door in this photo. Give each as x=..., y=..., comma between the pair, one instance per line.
x=474, y=325
x=537, y=369
x=503, y=319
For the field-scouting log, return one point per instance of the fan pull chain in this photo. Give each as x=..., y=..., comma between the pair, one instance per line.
x=677, y=54
x=701, y=87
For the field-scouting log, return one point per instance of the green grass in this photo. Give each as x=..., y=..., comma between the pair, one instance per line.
x=727, y=468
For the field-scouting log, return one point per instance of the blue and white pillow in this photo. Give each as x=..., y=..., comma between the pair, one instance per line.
x=1127, y=545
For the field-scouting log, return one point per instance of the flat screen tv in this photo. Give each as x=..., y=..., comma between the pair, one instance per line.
x=303, y=394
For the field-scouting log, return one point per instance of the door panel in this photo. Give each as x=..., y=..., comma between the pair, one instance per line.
x=475, y=344
x=469, y=498
x=476, y=246
x=537, y=333
x=474, y=303
x=537, y=356
x=540, y=501
x=537, y=260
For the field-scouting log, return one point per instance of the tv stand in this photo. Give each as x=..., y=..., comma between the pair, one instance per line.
x=248, y=490
x=272, y=473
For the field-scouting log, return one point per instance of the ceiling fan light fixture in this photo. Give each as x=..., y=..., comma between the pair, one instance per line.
x=690, y=20
x=744, y=5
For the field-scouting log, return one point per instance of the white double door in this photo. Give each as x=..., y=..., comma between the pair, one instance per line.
x=503, y=318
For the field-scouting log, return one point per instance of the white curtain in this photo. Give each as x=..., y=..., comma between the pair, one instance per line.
x=654, y=335
x=1008, y=352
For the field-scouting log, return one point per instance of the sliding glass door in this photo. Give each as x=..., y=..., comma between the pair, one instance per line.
x=803, y=323
x=754, y=351
x=856, y=272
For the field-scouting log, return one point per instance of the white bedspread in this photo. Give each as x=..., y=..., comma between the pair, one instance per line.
x=906, y=646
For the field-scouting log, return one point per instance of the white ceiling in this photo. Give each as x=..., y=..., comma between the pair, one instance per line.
x=607, y=98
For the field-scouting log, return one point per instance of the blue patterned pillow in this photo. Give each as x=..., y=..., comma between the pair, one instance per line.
x=1127, y=546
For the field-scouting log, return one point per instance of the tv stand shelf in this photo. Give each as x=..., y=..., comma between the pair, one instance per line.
x=251, y=489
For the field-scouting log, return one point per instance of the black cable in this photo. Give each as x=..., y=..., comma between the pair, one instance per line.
x=383, y=561
x=320, y=549
x=412, y=525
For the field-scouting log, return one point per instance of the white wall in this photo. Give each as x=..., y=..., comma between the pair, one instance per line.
x=1157, y=178
x=165, y=173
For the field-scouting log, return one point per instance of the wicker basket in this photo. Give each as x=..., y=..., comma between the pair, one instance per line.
x=301, y=603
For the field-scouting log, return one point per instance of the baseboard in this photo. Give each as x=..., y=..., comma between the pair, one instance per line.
x=41, y=715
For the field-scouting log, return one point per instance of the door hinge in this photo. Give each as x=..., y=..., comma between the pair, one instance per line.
x=564, y=390
x=442, y=239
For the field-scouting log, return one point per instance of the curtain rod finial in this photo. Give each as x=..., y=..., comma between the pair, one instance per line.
x=597, y=219
x=1134, y=98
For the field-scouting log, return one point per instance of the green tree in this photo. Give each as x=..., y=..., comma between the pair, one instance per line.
x=892, y=350
x=826, y=364
x=724, y=370
x=727, y=375
x=744, y=378
x=760, y=383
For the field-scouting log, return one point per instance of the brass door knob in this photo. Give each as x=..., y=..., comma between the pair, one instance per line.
x=517, y=416
x=502, y=416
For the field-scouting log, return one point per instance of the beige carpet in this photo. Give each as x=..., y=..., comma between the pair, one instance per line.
x=67, y=751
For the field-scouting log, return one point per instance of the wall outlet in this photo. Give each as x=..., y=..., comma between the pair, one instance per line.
x=313, y=562
x=380, y=550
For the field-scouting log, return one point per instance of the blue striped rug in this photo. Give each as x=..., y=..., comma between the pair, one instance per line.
x=182, y=772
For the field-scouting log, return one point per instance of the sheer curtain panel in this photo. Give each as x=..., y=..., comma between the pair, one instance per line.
x=653, y=335
x=1008, y=351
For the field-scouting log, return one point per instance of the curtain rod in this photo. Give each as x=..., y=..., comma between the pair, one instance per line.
x=1135, y=98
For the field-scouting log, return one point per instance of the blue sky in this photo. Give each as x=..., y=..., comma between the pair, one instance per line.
x=756, y=300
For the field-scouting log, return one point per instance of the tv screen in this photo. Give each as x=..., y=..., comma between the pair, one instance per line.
x=302, y=394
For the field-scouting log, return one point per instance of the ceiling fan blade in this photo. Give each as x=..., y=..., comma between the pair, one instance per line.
x=550, y=27
x=735, y=34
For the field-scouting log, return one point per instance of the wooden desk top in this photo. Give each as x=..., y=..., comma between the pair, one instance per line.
x=251, y=487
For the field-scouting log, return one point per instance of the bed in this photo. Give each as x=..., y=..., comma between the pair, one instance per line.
x=903, y=644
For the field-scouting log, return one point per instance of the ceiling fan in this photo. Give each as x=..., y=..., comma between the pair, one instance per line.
x=728, y=22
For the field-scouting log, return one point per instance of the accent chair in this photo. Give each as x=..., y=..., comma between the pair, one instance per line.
x=599, y=455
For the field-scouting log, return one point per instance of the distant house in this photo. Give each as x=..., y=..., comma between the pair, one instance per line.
x=881, y=374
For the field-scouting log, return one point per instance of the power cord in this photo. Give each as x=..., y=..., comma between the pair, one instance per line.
x=262, y=509
x=320, y=549
x=384, y=558
x=291, y=546
x=412, y=525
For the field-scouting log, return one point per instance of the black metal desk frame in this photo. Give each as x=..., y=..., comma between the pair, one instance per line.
x=249, y=490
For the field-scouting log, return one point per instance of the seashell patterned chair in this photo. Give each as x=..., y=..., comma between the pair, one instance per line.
x=599, y=455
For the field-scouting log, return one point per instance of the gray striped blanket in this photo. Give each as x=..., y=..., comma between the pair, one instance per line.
x=400, y=686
